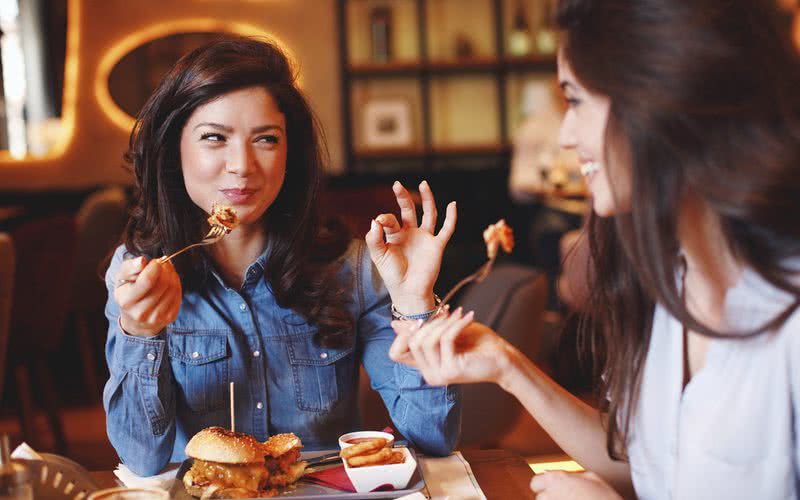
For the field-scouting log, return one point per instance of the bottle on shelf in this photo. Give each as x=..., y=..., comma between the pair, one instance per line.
x=15, y=482
x=519, y=39
x=380, y=21
x=546, y=38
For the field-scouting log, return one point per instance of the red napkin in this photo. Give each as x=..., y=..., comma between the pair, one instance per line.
x=336, y=478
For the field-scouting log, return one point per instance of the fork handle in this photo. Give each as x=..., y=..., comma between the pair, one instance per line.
x=478, y=276
x=167, y=258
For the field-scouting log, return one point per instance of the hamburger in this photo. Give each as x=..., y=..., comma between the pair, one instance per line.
x=281, y=458
x=231, y=464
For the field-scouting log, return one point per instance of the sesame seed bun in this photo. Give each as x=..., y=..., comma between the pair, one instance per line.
x=216, y=444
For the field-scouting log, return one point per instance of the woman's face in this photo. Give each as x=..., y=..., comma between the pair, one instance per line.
x=233, y=152
x=583, y=129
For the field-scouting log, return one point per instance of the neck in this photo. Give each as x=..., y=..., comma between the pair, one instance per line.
x=711, y=266
x=236, y=251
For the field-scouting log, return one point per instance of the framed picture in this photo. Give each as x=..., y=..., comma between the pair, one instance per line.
x=387, y=122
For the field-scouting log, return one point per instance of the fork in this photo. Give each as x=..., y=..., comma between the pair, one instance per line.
x=215, y=234
x=479, y=275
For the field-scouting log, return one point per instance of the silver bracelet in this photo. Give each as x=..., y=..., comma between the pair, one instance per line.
x=415, y=317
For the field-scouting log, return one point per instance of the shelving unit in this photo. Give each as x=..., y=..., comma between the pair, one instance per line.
x=444, y=92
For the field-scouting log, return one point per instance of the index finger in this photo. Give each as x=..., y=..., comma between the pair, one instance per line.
x=147, y=280
x=408, y=212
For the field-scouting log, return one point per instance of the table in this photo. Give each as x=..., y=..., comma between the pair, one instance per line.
x=500, y=474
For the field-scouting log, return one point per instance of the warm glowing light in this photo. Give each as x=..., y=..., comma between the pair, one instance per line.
x=70, y=94
x=565, y=465
x=128, y=43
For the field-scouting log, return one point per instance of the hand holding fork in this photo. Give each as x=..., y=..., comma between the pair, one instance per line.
x=149, y=294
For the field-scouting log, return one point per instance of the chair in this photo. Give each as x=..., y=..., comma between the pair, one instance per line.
x=100, y=222
x=511, y=300
x=6, y=289
x=45, y=249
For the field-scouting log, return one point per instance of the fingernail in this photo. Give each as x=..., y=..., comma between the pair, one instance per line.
x=423, y=182
x=470, y=315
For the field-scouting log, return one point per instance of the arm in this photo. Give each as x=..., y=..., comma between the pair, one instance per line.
x=138, y=398
x=451, y=349
x=428, y=416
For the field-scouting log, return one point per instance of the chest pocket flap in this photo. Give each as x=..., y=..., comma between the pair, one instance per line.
x=201, y=365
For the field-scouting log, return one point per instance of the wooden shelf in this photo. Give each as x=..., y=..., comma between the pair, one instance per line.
x=453, y=66
x=535, y=62
x=371, y=70
x=435, y=152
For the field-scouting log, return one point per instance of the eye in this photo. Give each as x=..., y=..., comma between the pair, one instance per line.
x=212, y=137
x=572, y=102
x=268, y=139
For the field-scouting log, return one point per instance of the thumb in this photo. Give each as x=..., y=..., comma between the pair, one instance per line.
x=375, y=242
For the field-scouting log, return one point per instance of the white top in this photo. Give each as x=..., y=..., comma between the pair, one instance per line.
x=733, y=432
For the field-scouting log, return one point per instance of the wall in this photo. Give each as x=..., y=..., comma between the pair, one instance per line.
x=94, y=142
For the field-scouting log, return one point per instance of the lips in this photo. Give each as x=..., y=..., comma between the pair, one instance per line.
x=238, y=195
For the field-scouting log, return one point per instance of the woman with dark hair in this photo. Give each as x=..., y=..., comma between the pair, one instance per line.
x=285, y=307
x=686, y=116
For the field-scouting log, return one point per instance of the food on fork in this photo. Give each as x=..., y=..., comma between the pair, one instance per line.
x=231, y=464
x=371, y=452
x=498, y=234
x=223, y=215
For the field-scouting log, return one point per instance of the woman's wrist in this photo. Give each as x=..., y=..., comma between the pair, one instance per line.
x=414, y=305
x=511, y=363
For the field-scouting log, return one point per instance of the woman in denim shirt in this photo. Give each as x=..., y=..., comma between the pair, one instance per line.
x=284, y=307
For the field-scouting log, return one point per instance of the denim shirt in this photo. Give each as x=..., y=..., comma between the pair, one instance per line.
x=164, y=389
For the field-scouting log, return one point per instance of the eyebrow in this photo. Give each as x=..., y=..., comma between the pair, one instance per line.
x=225, y=128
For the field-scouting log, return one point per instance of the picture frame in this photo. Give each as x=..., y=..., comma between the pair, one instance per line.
x=387, y=122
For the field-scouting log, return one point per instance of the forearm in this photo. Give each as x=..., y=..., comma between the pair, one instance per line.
x=139, y=402
x=428, y=416
x=574, y=425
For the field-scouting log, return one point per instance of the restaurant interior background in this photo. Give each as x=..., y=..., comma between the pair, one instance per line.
x=404, y=89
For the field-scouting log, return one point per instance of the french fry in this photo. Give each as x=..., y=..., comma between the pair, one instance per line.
x=379, y=458
x=364, y=448
x=398, y=457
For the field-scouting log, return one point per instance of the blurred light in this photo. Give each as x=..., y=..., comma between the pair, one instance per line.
x=130, y=42
x=565, y=465
x=13, y=78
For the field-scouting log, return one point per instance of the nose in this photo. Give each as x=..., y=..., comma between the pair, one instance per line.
x=241, y=160
x=566, y=133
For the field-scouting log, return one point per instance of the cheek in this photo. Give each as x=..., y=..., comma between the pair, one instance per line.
x=200, y=170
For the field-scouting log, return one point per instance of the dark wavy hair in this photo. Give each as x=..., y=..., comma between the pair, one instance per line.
x=303, y=261
x=704, y=102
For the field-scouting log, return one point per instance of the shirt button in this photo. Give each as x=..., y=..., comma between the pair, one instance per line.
x=256, y=354
x=243, y=306
x=151, y=356
x=259, y=405
x=195, y=355
x=324, y=355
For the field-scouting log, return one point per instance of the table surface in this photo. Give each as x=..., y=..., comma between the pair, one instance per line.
x=500, y=474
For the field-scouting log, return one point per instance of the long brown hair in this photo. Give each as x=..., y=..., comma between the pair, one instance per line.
x=302, y=262
x=704, y=101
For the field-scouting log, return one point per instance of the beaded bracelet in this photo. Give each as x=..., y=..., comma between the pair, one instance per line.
x=416, y=317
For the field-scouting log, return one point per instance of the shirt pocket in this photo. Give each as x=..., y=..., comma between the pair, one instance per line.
x=322, y=375
x=200, y=362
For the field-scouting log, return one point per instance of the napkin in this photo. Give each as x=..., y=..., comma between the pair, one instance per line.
x=163, y=480
x=336, y=478
x=25, y=452
x=450, y=477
